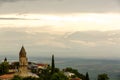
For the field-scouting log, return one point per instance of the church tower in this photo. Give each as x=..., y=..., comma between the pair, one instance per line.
x=23, y=63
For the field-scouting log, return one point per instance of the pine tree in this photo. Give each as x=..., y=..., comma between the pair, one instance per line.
x=5, y=60
x=53, y=65
x=87, y=76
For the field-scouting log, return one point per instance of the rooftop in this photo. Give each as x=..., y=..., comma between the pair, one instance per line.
x=6, y=76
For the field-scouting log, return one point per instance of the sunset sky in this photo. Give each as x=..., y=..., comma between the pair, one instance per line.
x=66, y=28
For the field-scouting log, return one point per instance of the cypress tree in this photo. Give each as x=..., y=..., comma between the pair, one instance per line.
x=5, y=60
x=87, y=76
x=53, y=65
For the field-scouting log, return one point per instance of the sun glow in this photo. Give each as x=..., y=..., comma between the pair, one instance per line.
x=84, y=21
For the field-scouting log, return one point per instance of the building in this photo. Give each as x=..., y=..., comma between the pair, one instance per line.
x=19, y=68
x=42, y=66
x=69, y=74
x=23, y=65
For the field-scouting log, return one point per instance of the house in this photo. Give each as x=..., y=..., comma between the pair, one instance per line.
x=37, y=66
x=68, y=74
x=42, y=66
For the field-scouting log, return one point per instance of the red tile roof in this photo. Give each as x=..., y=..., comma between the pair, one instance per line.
x=41, y=64
x=7, y=76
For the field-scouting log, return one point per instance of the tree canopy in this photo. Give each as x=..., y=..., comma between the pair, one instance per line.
x=103, y=77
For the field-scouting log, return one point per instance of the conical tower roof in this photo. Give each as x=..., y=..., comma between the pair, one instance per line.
x=22, y=52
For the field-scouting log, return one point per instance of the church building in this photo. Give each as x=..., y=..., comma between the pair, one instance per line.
x=23, y=63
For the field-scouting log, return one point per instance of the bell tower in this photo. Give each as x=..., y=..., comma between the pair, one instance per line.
x=23, y=63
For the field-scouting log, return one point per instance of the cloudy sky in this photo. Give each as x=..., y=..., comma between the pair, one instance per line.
x=66, y=28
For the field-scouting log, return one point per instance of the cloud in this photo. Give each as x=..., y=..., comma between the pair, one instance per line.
x=96, y=37
x=8, y=0
x=89, y=35
x=84, y=43
x=23, y=36
x=2, y=18
x=59, y=7
x=41, y=42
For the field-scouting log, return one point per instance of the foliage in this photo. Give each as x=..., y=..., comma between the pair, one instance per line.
x=53, y=65
x=58, y=76
x=87, y=76
x=45, y=74
x=103, y=77
x=4, y=67
x=31, y=78
x=16, y=78
x=73, y=76
x=57, y=70
x=69, y=69
x=26, y=78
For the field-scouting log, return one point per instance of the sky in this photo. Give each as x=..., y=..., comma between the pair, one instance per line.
x=66, y=28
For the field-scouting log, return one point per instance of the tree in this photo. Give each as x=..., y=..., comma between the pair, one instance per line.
x=5, y=60
x=4, y=67
x=31, y=78
x=16, y=78
x=58, y=76
x=56, y=70
x=103, y=77
x=79, y=75
x=53, y=65
x=87, y=76
x=45, y=74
